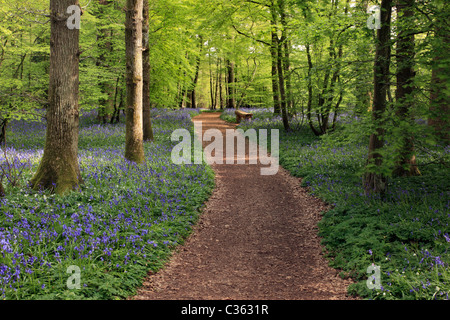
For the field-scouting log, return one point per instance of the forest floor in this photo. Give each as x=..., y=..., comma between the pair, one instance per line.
x=256, y=240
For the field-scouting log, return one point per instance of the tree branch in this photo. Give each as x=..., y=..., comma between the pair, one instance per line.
x=251, y=37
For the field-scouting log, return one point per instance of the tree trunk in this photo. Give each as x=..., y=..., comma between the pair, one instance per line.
x=281, y=85
x=231, y=101
x=286, y=56
x=216, y=91
x=275, y=83
x=147, y=122
x=59, y=170
x=310, y=92
x=287, y=73
x=440, y=99
x=134, y=144
x=374, y=180
x=193, y=93
x=220, y=89
x=406, y=162
x=211, y=85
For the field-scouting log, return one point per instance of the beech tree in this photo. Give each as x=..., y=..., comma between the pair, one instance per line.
x=134, y=136
x=59, y=169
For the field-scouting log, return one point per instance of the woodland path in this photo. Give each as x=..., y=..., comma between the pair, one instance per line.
x=256, y=240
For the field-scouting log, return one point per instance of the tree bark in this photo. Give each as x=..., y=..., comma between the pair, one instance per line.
x=406, y=162
x=146, y=113
x=374, y=180
x=134, y=144
x=59, y=170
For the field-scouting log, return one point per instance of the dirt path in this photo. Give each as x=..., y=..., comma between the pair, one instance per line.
x=257, y=239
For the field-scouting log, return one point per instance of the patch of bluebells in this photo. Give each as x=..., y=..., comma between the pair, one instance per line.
x=413, y=214
x=123, y=215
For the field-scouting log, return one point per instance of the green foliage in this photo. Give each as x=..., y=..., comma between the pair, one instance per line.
x=125, y=221
x=406, y=231
x=24, y=53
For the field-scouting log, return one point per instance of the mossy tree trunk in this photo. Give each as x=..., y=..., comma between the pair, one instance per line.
x=134, y=139
x=59, y=169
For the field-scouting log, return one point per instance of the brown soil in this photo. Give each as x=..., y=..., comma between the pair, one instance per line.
x=256, y=240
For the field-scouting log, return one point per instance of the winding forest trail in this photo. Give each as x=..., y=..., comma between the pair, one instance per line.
x=256, y=240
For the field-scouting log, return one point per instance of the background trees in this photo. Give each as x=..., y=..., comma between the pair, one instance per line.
x=309, y=61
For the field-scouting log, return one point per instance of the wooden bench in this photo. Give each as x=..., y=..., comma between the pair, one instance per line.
x=242, y=115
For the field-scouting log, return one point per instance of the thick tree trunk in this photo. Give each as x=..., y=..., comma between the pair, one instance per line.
x=374, y=180
x=59, y=169
x=406, y=162
x=147, y=122
x=134, y=144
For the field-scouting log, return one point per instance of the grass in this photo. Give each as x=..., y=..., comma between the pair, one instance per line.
x=125, y=221
x=406, y=233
